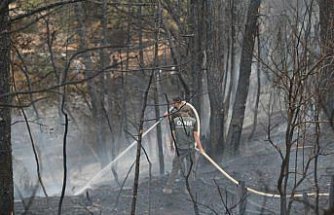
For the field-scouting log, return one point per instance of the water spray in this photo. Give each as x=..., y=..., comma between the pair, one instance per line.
x=107, y=168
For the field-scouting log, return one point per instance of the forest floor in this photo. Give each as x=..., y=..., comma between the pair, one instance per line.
x=258, y=166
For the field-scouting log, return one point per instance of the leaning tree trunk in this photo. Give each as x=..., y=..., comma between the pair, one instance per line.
x=235, y=129
x=6, y=169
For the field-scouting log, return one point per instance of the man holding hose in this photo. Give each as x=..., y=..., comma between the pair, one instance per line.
x=184, y=135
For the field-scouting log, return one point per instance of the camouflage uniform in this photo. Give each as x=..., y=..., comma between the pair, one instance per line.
x=183, y=126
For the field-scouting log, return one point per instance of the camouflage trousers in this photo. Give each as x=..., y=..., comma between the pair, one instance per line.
x=185, y=162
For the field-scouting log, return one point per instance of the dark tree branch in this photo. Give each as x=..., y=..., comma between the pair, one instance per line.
x=139, y=147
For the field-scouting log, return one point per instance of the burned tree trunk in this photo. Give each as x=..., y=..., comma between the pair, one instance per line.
x=327, y=37
x=156, y=91
x=6, y=169
x=215, y=75
x=235, y=129
x=196, y=29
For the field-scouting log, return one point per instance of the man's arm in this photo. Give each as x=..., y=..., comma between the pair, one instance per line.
x=198, y=143
x=172, y=142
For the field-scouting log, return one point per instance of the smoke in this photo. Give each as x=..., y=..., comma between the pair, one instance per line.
x=83, y=162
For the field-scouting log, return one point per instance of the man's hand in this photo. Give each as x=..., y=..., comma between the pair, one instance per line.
x=198, y=143
x=200, y=148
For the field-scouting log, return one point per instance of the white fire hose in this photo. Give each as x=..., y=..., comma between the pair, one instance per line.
x=272, y=195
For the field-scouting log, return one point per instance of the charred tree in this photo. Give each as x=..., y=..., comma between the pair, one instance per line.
x=196, y=26
x=235, y=129
x=215, y=74
x=327, y=46
x=156, y=90
x=139, y=147
x=258, y=88
x=6, y=170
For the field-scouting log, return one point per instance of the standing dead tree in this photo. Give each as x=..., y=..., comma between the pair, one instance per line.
x=326, y=9
x=6, y=170
x=216, y=73
x=156, y=90
x=235, y=128
x=139, y=146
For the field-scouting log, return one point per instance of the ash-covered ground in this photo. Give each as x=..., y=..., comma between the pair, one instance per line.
x=258, y=165
x=213, y=193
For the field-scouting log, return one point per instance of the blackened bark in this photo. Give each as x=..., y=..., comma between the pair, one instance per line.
x=235, y=129
x=231, y=55
x=326, y=83
x=196, y=28
x=258, y=91
x=6, y=168
x=139, y=147
x=157, y=91
x=327, y=46
x=215, y=75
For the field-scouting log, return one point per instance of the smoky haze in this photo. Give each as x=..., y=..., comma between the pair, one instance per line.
x=83, y=162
